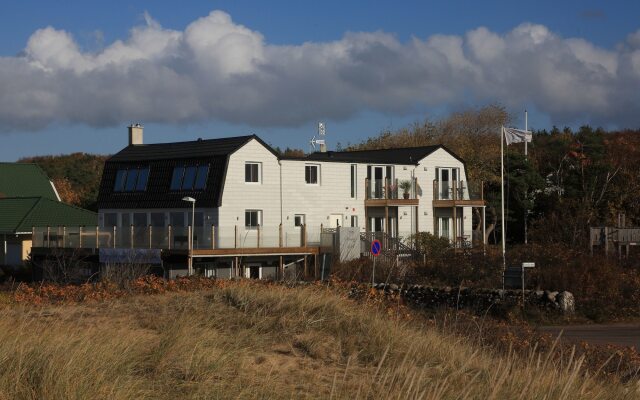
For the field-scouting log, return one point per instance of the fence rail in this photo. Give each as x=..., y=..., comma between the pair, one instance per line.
x=170, y=237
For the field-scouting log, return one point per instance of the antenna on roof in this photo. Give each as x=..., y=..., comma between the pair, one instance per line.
x=320, y=141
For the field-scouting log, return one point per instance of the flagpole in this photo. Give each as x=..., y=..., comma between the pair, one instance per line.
x=504, y=261
x=526, y=212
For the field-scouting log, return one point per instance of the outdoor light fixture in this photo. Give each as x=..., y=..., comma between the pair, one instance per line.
x=193, y=223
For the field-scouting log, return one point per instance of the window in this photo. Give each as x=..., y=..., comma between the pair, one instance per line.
x=157, y=219
x=176, y=219
x=189, y=177
x=199, y=219
x=126, y=219
x=354, y=179
x=131, y=179
x=252, y=218
x=143, y=177
x=121, y=177
x=354, y=221
x=139, y=219
x=311, y=174
x=298, y=220
x=201, y=178
x=252, y=172
x=110, y=220
x=176, y=178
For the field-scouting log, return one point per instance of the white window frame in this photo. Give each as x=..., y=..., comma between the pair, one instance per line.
x=354, y=218
x=259, y=218
x=259, y=164
x=317, y=166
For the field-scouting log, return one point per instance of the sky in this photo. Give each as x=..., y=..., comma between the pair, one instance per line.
x=74, y=76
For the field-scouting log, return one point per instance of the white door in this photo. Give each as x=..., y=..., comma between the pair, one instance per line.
x=446, y=179
x=444, y=227
x=335, y=220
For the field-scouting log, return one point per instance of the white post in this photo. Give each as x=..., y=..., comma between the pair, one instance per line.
x=526, y=212
x=193, y=229
x=504, y=236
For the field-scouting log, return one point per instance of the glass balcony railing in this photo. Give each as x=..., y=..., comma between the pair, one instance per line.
x=173, y=238
x=457, y=190
x=391, y=189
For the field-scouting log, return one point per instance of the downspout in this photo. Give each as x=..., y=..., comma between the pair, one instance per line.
x=280, y=168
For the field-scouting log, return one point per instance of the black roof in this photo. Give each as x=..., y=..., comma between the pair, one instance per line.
x=162, y=158
x=404, y=155
x=184, y=150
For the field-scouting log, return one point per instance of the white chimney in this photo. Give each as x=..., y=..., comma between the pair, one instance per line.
x=135, y=134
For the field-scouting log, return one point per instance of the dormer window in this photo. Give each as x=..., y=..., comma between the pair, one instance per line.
x=190, y=177
x=131, y=179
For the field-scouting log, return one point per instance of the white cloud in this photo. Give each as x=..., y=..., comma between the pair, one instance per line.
x=219, y=70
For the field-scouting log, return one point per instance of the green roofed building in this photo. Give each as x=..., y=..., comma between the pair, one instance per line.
x=27, y=199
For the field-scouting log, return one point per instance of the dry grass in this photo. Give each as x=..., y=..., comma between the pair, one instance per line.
x=255, y=341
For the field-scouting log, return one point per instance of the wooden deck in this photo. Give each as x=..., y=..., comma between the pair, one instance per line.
x=391, y=202
x=458, y=203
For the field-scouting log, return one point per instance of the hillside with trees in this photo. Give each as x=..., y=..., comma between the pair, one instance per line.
x=76, y=176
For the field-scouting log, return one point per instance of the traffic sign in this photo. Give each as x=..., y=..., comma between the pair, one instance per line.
x=376, y=248
x=528, y=265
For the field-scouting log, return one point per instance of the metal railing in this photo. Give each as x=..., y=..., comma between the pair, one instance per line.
x=457, y=190
x=171, y=237
x=386, y=189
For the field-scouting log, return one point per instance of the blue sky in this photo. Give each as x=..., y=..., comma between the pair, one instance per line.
x=388, y=64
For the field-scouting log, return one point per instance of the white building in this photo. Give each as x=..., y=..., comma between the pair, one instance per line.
x=246, y=196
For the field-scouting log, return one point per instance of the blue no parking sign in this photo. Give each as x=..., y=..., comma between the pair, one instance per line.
x=376, y=248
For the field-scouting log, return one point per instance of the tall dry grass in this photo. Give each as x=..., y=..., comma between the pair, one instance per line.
x=254, y=341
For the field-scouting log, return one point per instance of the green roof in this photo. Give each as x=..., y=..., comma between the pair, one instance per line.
x=25, y=180
x=21, y=214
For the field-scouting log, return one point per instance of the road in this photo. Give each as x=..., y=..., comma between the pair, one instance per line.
x=619, y=334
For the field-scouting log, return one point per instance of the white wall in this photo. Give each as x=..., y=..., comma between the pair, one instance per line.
x=239, y=196
x=426, y=174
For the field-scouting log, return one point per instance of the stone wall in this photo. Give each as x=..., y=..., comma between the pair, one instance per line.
x=480, y=300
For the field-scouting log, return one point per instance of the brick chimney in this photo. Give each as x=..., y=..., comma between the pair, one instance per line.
x=135, y=134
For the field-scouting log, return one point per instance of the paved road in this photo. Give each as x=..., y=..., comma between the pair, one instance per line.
x=620, y=334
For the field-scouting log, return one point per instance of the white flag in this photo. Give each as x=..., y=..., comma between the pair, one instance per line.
x=512, y=135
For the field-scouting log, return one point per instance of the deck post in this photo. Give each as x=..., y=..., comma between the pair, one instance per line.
x=64, y=233
x=48, y=236
x=236, y=266
x=114, y=238
x=80, y=237
x=97, y=237
x=258, y=232
x=316, y=272
x=304, y=235
x=281, y=269
x=131, y=235
x=235, y=236
x=306, y=268
x=169, y=236
x=213, y=237
x=280, y=236
x=150, y=228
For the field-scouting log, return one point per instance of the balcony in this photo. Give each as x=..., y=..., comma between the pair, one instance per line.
x=388, y=192
x=457, y=193
x=211, y=240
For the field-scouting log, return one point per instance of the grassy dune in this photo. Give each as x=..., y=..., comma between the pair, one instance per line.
x=255, y=341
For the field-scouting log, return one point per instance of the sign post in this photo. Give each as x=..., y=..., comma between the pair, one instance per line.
x=376, y=249
x=525, y=265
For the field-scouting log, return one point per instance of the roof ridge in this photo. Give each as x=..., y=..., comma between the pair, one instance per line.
x=195, y=140
x=29, y=212
x=391, y=148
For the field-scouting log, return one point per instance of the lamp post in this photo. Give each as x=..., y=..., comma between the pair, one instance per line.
x=193, y=220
